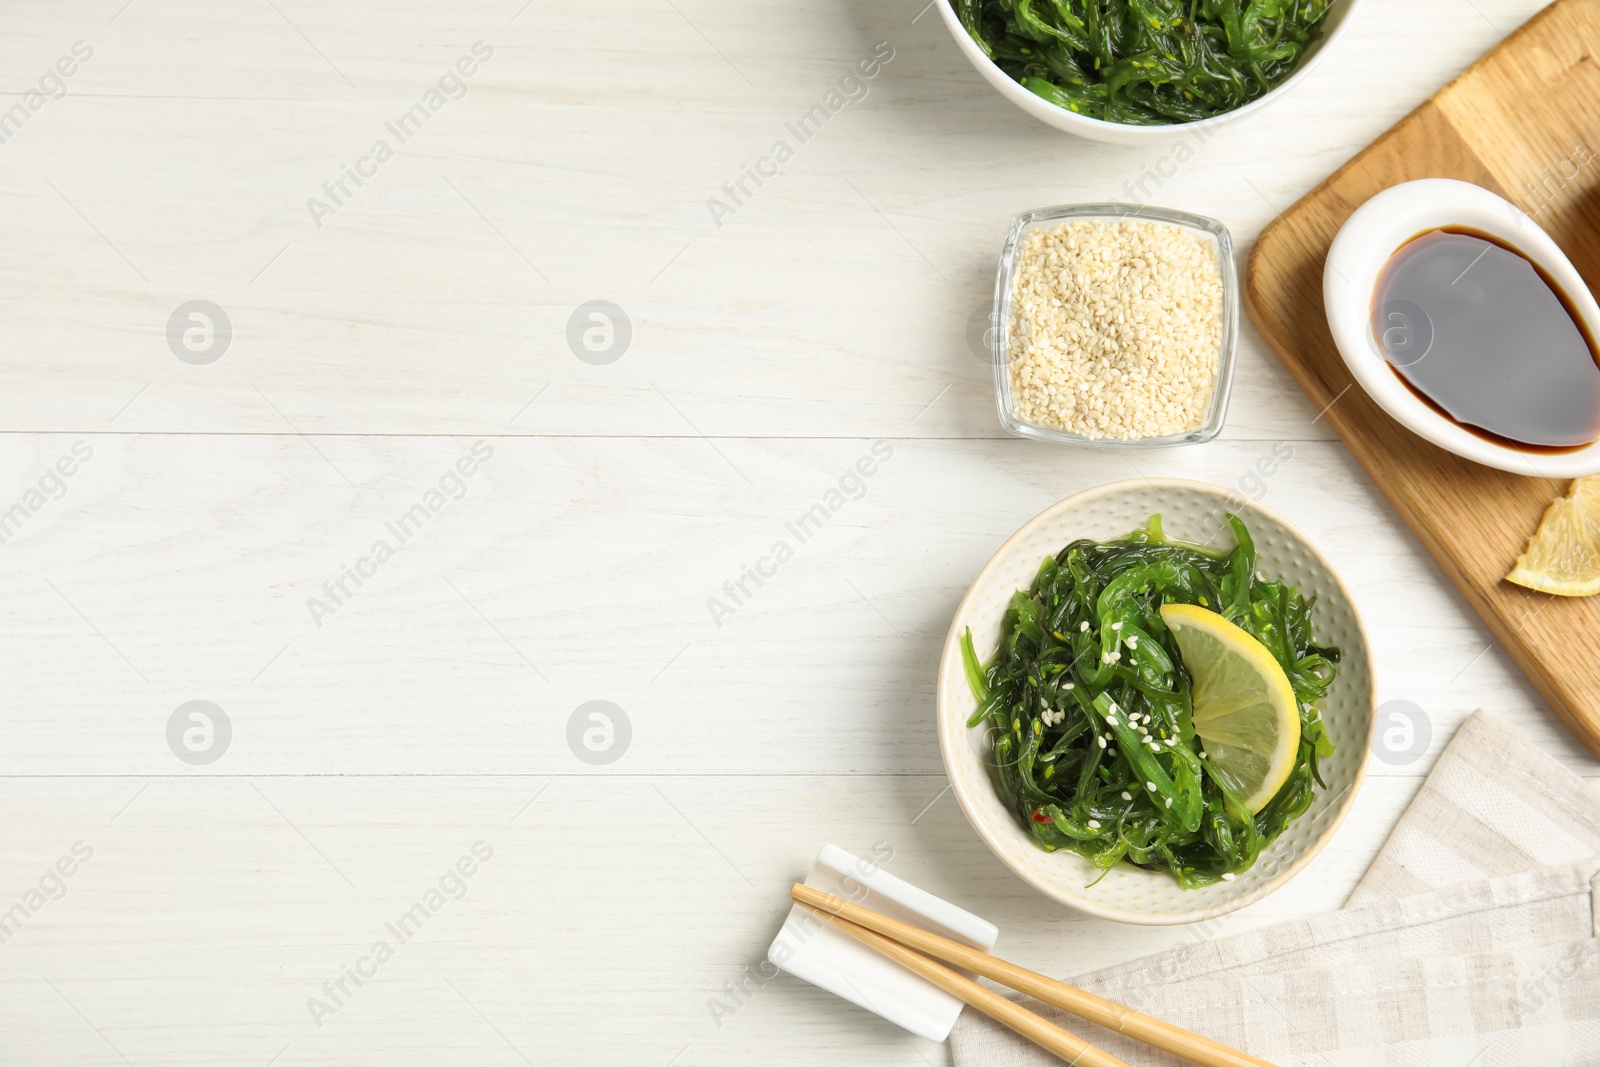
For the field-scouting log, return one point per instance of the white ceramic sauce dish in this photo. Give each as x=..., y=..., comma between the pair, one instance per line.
x=1339, y=17
x=1357, y=257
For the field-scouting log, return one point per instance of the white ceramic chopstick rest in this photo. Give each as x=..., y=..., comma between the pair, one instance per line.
x=808, y=948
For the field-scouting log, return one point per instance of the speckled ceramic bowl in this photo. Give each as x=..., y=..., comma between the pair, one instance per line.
x=1189, y=511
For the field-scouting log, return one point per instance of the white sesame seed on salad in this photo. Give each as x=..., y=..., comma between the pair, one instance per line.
x=1126, y=795
x=1150, y=786
x=1169, y=802
x=1094, y=824
x=1116, y=626
x=1083, y=627
x=1229, y=876
x=1102, y=741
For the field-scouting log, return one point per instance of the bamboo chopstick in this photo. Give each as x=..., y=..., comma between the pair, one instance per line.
x=1157, y=1033
x=1041, y=1032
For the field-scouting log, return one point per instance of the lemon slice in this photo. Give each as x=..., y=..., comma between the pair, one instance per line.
x=1564, y=556
x=1244, y=707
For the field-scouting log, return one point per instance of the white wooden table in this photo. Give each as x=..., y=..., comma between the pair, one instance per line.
x=375, y=339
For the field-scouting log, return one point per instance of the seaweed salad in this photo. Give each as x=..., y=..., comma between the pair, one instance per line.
x=1145, y=62
x=1089, y=705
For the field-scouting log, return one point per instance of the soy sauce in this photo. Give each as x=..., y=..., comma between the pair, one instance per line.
x=1482, y=335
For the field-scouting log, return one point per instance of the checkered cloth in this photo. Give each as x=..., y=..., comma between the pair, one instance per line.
x=1472, y=942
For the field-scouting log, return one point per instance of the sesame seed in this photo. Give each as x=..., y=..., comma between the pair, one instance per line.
x=1229, y=876
x=1169, y=802
x=1083, y=627
x=1116, y=328
x=1094, y=824
x=1150, y=786
x=1126, y=795
x=1102, y=741
x=1116, y=626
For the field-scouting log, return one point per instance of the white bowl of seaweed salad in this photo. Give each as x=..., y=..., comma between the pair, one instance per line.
x=1132, y=71
x=1115, y=829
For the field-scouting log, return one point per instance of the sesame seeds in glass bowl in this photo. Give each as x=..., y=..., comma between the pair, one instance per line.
x=1116, y=326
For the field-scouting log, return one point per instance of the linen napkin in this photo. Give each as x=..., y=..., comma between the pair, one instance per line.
x=1471, y=942
x=1494, y=804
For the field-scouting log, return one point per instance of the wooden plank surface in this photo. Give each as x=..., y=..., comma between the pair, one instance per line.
x=622, y=900
x=1521, y=122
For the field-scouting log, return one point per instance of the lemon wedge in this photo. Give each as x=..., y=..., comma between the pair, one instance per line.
x=1564, y=555
x=1244, y=707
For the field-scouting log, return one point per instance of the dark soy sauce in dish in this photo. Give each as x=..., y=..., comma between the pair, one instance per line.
x=1484, y=337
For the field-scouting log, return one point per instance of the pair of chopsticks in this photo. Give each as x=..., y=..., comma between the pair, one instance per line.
x=912, y=947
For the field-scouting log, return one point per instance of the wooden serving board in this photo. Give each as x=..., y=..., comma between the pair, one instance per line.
x=1524, y=121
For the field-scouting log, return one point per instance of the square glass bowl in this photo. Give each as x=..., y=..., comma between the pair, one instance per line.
x=1005, y=282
